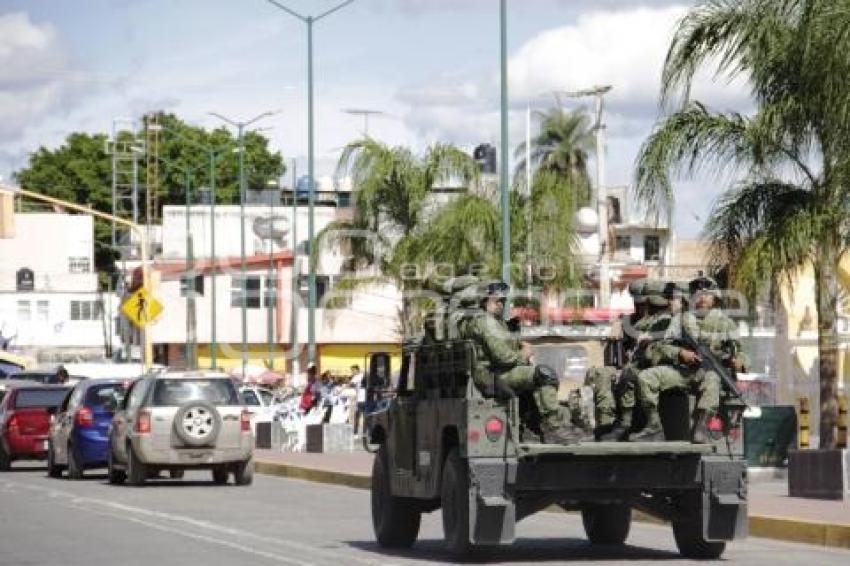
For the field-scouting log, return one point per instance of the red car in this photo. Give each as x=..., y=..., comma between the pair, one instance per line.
x=25, y=414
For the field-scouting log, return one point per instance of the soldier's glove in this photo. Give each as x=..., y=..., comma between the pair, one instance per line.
x=544, y=375
x=498, y=390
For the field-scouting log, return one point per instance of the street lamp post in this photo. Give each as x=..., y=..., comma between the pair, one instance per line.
x=296, y=360
x=601, y=193
x=214, y=153
x=503, y=162
x=311, y=197
x=240, y=128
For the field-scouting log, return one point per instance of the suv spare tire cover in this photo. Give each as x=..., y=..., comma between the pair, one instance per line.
x=197, y=423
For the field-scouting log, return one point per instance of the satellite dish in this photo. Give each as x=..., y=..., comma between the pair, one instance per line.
x=586, y=219
x=271, y=227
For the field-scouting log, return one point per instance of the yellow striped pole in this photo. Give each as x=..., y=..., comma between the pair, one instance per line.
x=804, y=422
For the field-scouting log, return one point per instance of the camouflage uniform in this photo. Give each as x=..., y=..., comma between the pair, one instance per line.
x=613, y=387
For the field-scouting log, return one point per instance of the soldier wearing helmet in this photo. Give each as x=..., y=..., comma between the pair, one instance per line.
x=503, y=366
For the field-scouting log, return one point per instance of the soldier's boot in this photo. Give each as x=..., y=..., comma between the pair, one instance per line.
x=653, y=431
x=700, y=435
x=619, y=430
x=554, y=433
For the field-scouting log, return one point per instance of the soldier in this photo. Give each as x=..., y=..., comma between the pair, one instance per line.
x=503, y=366
x=611, y=389
x=680, y=367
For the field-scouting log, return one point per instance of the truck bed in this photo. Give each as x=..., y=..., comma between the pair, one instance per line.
x=530, y=450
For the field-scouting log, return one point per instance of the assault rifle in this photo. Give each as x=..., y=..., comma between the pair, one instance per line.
x=710, y=362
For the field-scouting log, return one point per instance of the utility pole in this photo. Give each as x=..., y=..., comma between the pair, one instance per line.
x=296, y=347
x=240, y=129
x=309, y=21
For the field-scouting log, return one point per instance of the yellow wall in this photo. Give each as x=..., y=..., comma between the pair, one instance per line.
x=231, y=358
x=338, y=358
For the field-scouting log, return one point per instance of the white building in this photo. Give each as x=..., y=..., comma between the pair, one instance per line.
x=49, y=297
x=344, y=335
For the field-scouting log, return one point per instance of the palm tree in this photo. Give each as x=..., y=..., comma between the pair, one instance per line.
x=561, y=148
x=788, y=160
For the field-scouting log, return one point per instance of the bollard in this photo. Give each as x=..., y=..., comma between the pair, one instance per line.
x=804, y=422
x=841, y=441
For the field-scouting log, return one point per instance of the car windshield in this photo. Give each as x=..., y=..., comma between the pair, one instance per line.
x=250, y=398
x=171, y=392
x=98, y=395
x=35, y=398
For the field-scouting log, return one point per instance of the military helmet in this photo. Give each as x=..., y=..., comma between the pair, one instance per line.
x=704, y=284
x=676, y=289
x=637, y=289
x=655, y=292
x=496, y=289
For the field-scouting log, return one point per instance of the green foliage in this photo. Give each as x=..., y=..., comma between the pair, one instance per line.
x=80, y=171
x=790, y=160
x=561, y=150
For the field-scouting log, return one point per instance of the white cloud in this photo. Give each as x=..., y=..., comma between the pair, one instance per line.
x=34, y=74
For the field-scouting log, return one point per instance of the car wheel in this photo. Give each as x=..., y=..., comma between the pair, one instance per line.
x=5, y=460
x=136, y=471
x=197, y=423
x=53, y=470
x=75, y=470
x=394, y=520
x=115, y=476
x=219, y=476
x=175, y=474
x=243, y=474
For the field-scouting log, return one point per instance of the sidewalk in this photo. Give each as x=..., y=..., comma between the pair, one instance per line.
x=772, y=513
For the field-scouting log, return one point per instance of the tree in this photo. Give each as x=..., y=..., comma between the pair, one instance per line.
x=80, y=170
x=561, y=151
x=787, y=161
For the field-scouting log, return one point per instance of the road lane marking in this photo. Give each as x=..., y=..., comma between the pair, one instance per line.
x=87, y=503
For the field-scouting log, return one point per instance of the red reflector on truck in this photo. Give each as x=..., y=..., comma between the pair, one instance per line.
x=494, y=428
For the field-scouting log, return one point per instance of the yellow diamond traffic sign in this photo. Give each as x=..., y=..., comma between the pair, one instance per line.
x=141, y=308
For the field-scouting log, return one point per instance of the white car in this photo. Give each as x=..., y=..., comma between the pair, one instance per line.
x=261, y=403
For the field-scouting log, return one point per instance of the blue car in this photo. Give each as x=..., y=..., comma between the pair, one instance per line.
x=79, y=434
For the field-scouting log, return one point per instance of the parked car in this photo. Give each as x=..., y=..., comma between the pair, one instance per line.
x=260, y=402
x=25, y=414
x=181, y=420
x=46, y=376
x=79, y=436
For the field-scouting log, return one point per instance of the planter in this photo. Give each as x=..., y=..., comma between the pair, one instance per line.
x=819, y=474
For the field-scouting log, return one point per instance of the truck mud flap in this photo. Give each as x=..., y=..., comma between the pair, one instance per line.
x=724, y=499
x=492, y=514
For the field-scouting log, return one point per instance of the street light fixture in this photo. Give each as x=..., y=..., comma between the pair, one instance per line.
x=214, y=153
x=240, y=128
x=311, y=199
x=601, y=195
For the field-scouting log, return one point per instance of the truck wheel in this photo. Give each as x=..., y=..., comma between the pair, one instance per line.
x=219, y=475
x=136, y=471
x=454, y=498
x=607, y=524
x=395, y=521
x=691, y=544
x=75, y=470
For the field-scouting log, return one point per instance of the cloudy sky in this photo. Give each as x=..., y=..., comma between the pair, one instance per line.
x=430, y=65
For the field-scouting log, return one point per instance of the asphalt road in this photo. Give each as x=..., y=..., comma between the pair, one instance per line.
x=279, y=521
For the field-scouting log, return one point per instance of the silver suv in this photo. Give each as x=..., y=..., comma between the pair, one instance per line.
x=181, y=420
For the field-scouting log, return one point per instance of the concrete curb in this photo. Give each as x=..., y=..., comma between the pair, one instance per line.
x=776, y=528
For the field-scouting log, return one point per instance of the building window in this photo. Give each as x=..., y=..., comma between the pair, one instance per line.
x=624, y=243
x=343, y=200
x=24, y=312
x=253, y=285
x=25, y=279
x=86, y=310
x=42, y=310
x=79, y=265
x=651, y=248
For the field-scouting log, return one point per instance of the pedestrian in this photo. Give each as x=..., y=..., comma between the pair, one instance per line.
x=61, y=376
x=358, y=381
x=310, y=396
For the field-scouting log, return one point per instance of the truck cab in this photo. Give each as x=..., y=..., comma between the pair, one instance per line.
x=440, y=444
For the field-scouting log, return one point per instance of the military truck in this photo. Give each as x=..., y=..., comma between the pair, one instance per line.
x=440, y=444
